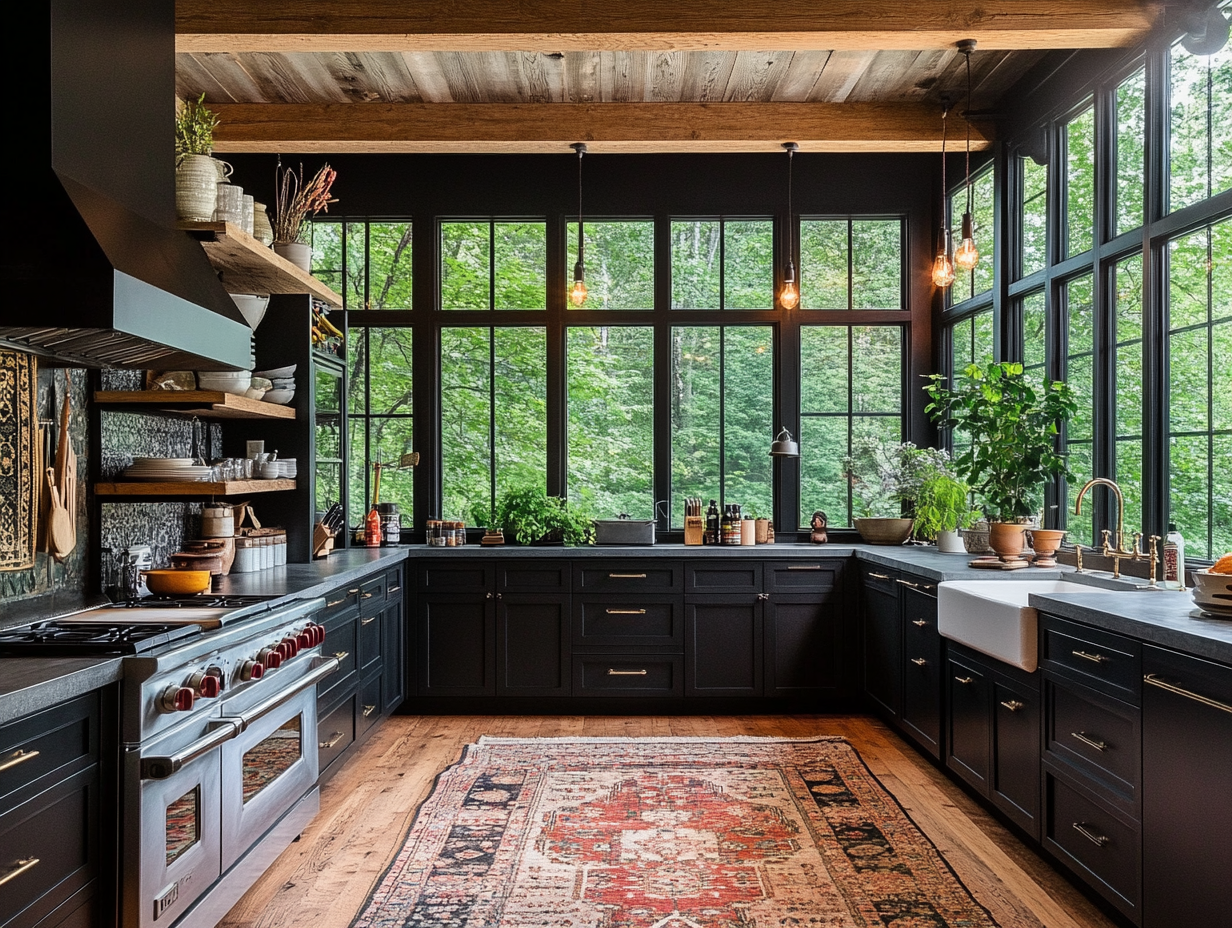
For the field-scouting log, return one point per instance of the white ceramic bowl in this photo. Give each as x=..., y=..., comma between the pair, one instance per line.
x=280, y=397
x=1212, y=589
x=252, y=307
x=277, y=372
x=255, y=393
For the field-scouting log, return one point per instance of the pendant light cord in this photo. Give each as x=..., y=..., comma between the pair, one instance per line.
x=581, y=151
x=790, y=256
x=945, y=219
x=968, y=121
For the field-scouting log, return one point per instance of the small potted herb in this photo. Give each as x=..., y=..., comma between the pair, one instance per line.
x=942, y=507
x=196, y=171
x=530, y=516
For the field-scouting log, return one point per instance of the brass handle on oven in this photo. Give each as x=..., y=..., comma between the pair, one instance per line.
x=28, y=863
x=353, y=591
x=335, y=737
x=1155, y=681
x=1097, y=840
x=1013, y=704
x=1095, y=658
x=368, y=595
x=1089, y=742
x=367, y=621
x=336, y=602
x=159, y=767
x=368, y=710
x=318, y=673
x=919, y=661
x=393, y=589
x=625, y=673
x=879, y=576
x=19, y=758
x=625, y=611
x=626, y=576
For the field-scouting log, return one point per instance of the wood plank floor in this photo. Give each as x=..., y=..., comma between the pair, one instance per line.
x=322, y=880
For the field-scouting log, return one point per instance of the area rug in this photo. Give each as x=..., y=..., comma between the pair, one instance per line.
x=666, y=833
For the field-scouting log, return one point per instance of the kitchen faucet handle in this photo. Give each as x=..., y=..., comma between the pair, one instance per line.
x=1078, y=557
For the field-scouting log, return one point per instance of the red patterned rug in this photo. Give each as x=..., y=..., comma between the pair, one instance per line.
x=666, y=833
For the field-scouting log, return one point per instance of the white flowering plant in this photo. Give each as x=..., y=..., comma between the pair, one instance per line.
x=885, y=477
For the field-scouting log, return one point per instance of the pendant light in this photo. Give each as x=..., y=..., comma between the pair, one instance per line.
x=943, y=267
x=577, y=293
x=967, y=256
x=789, y=296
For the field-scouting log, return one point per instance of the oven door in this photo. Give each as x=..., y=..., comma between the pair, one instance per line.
x=269, y=766
x=175, y=829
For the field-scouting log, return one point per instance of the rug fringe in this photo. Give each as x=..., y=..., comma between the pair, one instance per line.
x=692, y=739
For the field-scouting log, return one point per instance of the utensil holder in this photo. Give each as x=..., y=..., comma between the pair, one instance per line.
x=322, y=541
x=694, y=530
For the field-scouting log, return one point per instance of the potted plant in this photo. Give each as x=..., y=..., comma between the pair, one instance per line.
x=1012, y=425
x=942, y=507
x=761, y=524
x=296, y=202
x=884, y=479
x=196, y=172
x=532, y=517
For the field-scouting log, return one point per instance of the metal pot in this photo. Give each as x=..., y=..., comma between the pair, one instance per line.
x=624, y=531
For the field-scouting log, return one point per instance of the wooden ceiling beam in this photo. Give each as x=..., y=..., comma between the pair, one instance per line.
x=605, y=127
x=651, y=25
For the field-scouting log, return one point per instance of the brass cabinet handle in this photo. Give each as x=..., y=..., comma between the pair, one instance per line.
x=342, y=655
x=914, y=586
x=394, y=589
x=28, y=863
x=368, y=596
x=368, y=710
x=804, y=567
x=880, y=576
x=1155, y=681
x=625, y=673
x=625, y=611
x=353, y=591
x=1097, y=840
x=920, y=622
x=965, y=680
x=763, y=596
x=335, y=737
x=336, y=602
x=489, y=595
x=367, y=621
x=1089, y=742
x=919, y=661
x=1013, y=704
x=1095, y=658
x=626, y=576
x=19, y=758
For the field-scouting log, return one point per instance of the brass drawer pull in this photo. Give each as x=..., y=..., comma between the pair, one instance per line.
x=965, y=680
x=1095, y=658
x=334, y=736
x=368, y=710
x=19, y=758
x=914, y=586
x=1097, y=840
x=626, y=576
x=342, y=655
x=625, y=673
x=1013, y=704
x=368, y=621
x=353, y=591
x=394, y=589
x=1089, y=742
x=920, y=622
x=368, y=595
x=804, y=567
x=880, y=576
x=919, y=661
x=22, y=866
x=336, y=602
x=1155, y=681
x=625, y=611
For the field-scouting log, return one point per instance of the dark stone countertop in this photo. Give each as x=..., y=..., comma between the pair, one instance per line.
x=303, y=581
x=30, y=684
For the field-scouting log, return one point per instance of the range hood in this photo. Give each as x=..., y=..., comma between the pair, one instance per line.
x=96, y=273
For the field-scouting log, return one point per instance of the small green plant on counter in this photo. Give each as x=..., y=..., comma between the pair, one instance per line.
x=943, y=504
x=528, y=514
x=886, y=477
x=194, y=129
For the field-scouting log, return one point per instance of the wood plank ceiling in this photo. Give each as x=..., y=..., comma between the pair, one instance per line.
x=636, y=75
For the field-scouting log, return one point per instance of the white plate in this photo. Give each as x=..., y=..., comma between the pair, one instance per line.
x=277, y=372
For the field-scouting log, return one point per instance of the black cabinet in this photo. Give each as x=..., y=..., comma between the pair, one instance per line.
x=1186, y=790
x=969, y=725
x=533, y=644
x=804, y=643
x=457, y=644
x=724, y=645
x=882, y=640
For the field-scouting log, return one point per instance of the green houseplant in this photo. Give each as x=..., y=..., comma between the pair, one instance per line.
x=1012, y=425
x=884, y=479
x=196, y=172
x=942, y=507
x=530, y=516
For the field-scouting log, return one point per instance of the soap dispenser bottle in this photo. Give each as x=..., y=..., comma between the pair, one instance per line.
x=1174, y=559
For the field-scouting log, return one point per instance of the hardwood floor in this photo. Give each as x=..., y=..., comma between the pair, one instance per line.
x=322, y=880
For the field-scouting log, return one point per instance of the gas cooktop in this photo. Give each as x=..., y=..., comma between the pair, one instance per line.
x=199, y=601
x=54, y=638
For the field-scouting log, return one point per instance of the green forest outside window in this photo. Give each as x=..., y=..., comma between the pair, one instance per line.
x=620, y=267
x=1079, y=374
x=722, y=264
x=1033, y=217
x=368, y=263
x=1130, y=151
x=1200, y=124
x=494, y=265
x=1127, y=369
x=1080, y=182
x=379, y=417
x=851, y=263
x=979, y=279
x=971, y=342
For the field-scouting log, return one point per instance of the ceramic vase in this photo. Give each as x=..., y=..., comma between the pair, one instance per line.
x=1006, y=539
x=262, y=231
x=950, y=543
x=196, y=188
x=297, y=253
x=1044, y=542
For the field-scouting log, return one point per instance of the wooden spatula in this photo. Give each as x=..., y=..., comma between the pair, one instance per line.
x=60, y=536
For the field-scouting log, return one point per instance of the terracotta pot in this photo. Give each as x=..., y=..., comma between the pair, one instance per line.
x=884, y=531
x=1005, y=539
x=1044, y=542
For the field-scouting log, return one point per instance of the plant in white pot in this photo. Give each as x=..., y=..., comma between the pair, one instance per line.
x=1012, y=425
x=196, y=171
x=296, y=202
x=884, y=479
x=942, y=507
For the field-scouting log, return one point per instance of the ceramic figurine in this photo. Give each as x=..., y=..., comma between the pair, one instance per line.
x=818, y=535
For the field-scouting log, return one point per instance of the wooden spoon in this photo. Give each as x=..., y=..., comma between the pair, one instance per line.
x=60, y=540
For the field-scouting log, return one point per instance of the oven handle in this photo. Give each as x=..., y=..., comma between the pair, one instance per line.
x=318, y=673
x=161, y=766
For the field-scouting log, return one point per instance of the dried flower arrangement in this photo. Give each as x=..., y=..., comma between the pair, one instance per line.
x=296, y=202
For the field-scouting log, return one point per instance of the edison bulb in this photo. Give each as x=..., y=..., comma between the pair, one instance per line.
x=943, y=270
x=967, y=256
x=789, y=296
x=577, y=293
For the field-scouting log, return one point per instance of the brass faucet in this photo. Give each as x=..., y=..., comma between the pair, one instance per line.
x=1117, y=552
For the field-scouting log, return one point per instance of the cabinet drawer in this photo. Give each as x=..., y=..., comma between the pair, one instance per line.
x=882, y=579
x=626, y=576
x=369, y=643
x=64, y=739
x=628, y=622
x=48, y=849
x=548, y=575
x=1110, y=662
x=369, y=705
x=372, y=595
x=461, y=577
x=1094, y=842
x=723, y=577
x=338, y=601
x=801, y=576
x=340, y=641
x=393, y=584
x=335, y=732
x=1100, y=736
x=628, y=675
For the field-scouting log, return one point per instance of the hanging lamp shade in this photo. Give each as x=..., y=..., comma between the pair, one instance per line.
x=578, y=292
x=784, y=446
x=966, y=255
x=789, y=295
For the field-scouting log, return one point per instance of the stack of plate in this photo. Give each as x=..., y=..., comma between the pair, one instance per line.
x=166, y=470
x=282, y=381
x=1213, y=592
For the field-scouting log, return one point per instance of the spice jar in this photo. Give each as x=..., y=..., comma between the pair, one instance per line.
x=245, y=556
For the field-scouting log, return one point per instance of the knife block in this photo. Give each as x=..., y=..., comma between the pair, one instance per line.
x=322, y=541
x=694, y=530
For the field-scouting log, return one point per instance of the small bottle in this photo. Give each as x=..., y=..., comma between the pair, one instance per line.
x=372, y=529
x=736, y=519
x=712, y=524
x=725, y=526
x=1174, y=559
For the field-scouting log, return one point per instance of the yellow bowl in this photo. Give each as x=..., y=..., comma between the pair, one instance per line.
x=176, y=582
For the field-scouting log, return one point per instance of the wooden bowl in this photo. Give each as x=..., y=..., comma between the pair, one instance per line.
x=176, y=582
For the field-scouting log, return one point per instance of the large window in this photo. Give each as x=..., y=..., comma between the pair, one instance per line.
x=968, y=284
x=1033, y=217
x=1080, y=182
x=1200, y=124
x=1130, y=151
x=1127, y=369
x=722, y=264
x=1034, y=336
x=369, y=263
x=1080, y=375
x=619, y=263
x=851, y=386
x=1200, y=388
x=851, y=264
x=380, y=418
x=493, y=265
x=721, y=422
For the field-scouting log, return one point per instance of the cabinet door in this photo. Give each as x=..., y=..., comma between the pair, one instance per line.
x=968, y=726
x=921, y=719
x=393, y=686
x=803, y=643
x=457, y=644
x=1186, y=792
x=533, y=644
x=1015, y=785
x=883, y=643
x=723, y=645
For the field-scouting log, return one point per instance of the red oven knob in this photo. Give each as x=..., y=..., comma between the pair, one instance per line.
x=270, y=658
x=305, y=640
x=204, y=685
x=176, y=699
x=218, y=674
x=251, y=670
x=318, y=634
x=289, y=646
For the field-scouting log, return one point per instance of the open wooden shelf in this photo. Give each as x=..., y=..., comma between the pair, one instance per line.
x=196, y=488
x=208, y=404
x=247, y=266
